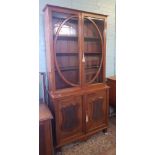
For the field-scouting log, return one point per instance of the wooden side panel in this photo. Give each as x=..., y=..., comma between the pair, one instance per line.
x=42, y=147
x=112, y=92
x=49, y=49
x=45, y=138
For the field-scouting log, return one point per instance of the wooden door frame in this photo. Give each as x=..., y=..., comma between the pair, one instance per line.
x=103, y=46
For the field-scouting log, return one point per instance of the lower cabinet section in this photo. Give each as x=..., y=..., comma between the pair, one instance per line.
x=77, y=117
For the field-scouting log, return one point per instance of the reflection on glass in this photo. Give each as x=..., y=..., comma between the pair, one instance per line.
x=65, y=30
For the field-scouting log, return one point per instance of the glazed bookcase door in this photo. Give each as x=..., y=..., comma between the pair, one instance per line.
x=66, y=49
x=93, y=51
x=96, y=110
x=70, y=118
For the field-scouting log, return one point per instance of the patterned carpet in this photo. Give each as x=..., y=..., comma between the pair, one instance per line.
x=98, y=144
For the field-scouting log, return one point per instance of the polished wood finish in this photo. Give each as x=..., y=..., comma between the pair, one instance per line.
x=111, y=82
x=76, y=51
x=44, y=112
x=113, y=78
x=45, y=130
x=64, y=9
x=96, y=110
x=69, y=116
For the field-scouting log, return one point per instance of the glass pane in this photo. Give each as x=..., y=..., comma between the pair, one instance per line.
x=65, y=30
x=93, y=50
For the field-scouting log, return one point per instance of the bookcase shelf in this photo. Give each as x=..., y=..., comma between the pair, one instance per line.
x=67, y=53
x=93, y=53
x=73, y=37
x=76, y=53
x=71, y=68
x=91, y=39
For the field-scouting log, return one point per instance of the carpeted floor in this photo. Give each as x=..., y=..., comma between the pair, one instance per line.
x=98, y=144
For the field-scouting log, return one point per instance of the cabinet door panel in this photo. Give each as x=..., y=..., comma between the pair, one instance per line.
x=93, y=52
x=96, y=110
x=69, y=117
x=66, y=49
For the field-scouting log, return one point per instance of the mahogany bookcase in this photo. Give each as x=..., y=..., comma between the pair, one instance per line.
x=76, y=58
